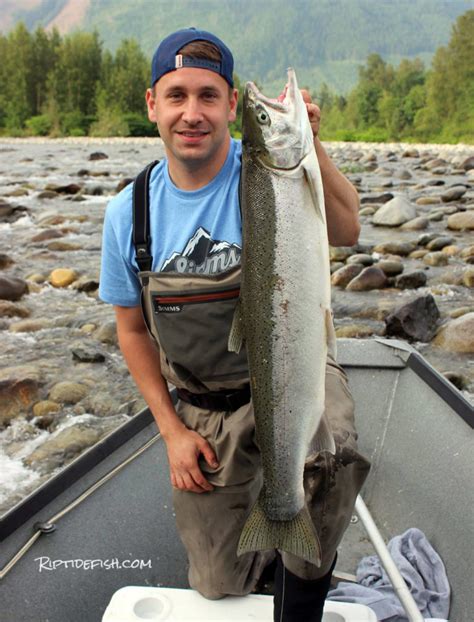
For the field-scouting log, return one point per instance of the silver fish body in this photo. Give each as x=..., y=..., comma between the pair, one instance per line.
x=284, y=313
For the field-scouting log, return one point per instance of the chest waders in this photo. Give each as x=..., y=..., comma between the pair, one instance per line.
x=189, y=317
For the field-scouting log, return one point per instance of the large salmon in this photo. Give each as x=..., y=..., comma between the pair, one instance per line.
x=284, y=312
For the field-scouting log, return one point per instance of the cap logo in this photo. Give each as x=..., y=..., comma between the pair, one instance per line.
x=178, y=61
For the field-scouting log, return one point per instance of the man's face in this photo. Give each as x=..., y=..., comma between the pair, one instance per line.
x=192, y=108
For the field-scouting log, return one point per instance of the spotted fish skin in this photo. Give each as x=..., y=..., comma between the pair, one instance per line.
x=284, y=312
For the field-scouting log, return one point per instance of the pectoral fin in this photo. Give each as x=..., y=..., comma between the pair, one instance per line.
x=312, y=184
x=236, y=335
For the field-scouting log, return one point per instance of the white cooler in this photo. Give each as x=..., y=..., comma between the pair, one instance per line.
x=157, y=604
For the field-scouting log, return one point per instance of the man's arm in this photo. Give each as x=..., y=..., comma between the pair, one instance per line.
x=340, y=196
x=143, y=360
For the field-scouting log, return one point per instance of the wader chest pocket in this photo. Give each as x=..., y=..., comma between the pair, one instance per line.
x=193, y=329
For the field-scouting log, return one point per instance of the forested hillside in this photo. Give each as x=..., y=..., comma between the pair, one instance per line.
x=71, y=85
x=325, y=40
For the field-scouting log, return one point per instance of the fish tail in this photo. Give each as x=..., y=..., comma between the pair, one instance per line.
x=297, y=536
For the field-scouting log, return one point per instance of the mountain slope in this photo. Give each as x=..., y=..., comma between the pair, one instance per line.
x=325, y=40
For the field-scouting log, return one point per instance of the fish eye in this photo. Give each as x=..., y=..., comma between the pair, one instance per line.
x=262, y=117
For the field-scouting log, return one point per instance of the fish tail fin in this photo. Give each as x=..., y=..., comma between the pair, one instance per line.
x=297, y=536
x=236, y=335
x=324, y=440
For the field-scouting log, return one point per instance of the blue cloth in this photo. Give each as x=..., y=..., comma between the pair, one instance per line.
x=420, y=566
x=197, y=231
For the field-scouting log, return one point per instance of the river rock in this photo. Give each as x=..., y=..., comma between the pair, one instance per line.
x=5, y=261
x=426, y=238
x=10, y=309
x=123, y=183
x=68, y=392
x=468, y=164
x=343, y=276
x=358, y=331
x=461, y=311
x=439, y=243
x=63, y=447
x=48, y=234
x=47, y=194
x=86, y=284
x=451, y=250
x=457, y=379
x=395, y=212
x=390, y=266
x=335, y=265
x=31, y=325
x=435, y=163
x=60, y=245
x=45, y=407
x=62, y=277
x=370, y=278
x=87, y=353
x=19, y=387
x=11, y=213
x=436, y=259
x=436, y=216
x=415, y=321
x=461, y=220
x=367, y=211
x=411, y=280
x=428, y=200
x=379, y=198
x=416, y=224
x=107, y=333
x=362, y=258
x=453, y=194
x=12, y=288
x=340, y=253
x=467, y=252
x=457, y=335
x=411, y=153
x=98, y=155
x=18, y=192
x=468, y=277
x=395, y=248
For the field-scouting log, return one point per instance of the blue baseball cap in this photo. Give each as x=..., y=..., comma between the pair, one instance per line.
x=166, y=57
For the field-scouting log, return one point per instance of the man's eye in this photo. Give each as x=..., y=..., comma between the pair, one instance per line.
x=175, y=96
x=210, y=95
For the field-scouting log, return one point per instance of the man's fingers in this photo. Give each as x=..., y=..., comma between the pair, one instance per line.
x=306, y=96
x=209, y=455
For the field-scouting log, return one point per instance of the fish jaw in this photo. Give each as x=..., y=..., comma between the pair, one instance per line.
x=277, y=130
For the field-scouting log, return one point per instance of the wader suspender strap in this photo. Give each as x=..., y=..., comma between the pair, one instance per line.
x=141, y=218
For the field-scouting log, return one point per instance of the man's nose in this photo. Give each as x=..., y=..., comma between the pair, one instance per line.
x=192, y=111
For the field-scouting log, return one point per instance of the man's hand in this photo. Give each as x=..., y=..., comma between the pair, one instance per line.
x=184, y=448
x=314, y=112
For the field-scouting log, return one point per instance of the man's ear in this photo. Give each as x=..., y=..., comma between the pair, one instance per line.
x=233, y=99
x=150, y=103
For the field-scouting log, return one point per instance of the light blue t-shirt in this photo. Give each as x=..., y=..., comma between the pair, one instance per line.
x=198, y=231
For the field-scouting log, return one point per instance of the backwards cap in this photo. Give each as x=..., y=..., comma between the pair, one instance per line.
x=166, y=57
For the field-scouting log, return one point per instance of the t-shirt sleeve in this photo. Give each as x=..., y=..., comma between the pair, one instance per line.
x=119, y=282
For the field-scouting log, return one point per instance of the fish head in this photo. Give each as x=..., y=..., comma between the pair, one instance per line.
x=277, y=131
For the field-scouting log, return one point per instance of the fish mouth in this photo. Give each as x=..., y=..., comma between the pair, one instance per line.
x=284, y=101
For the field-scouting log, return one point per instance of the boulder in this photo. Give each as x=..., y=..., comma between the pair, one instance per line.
x=395, y=248
x=457, y=335
x=12, y=288
x=453, y=194
x=395, y=212
x=461, y=220
x=19, y=388
x=343, y=276
x=416, y=224
x=5, y=261
x=411, y=280
x=62, y=277
x=415, y=321
x=68, y=392
x=370, y=278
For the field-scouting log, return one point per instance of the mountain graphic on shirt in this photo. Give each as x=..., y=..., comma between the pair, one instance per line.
x=203, y=255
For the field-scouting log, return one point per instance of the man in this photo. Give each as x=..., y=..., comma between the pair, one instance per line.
x=171, y=271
